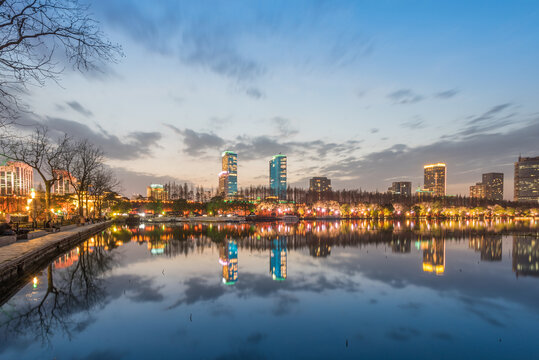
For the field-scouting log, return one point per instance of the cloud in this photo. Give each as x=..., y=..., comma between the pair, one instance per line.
x=481, y=151
x=447, y=94
x=134, y=182
x=374, y=130
x=405, y=96
x=254, y=93
x=414, y=123
x=284, y=126
x=256, y=147
x=198, y=142
x=79, y=108
x=134, y=145
x=495, y=118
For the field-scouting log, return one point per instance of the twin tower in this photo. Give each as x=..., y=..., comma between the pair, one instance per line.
x=228, y=177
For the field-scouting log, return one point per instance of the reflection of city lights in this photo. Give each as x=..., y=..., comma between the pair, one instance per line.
x=35, y=282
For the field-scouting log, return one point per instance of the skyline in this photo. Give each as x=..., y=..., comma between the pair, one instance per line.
x=350, y=91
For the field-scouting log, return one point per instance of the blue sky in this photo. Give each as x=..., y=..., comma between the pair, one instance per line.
x=364, y=92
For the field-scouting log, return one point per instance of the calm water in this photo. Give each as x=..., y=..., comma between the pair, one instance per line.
x=315, y=290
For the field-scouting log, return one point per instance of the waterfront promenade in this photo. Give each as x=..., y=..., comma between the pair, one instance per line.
x=24, y=256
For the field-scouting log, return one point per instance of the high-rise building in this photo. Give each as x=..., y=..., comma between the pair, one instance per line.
x=403, y=188
x=277, y=176
x=278, y=258
x=16, y=178
x=435, y=178
x=320, y=184
x=493, y=186
x=62, y=185
x=156, y=192
x=228, y=177
x=527, y=179
x=478, y=191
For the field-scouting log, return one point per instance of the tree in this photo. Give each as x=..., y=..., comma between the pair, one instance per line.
x=37, y=39
x=102, y=182
x=82, y=160
x=39, y=152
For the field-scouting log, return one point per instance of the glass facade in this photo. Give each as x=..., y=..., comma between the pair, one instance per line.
x=228, y=177
x=527, y=179
x=277, y=169
x=16, y=178
x=493, y=186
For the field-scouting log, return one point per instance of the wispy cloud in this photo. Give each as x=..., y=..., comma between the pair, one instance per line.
x=447, y=94
x=79, y=108
x=405, y=96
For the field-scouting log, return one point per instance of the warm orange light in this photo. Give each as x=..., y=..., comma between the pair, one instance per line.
x=433, y=165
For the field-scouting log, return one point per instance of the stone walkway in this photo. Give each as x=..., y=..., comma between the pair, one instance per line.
x=11, y=252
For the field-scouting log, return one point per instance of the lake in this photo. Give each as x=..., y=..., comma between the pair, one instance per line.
x=313, y=290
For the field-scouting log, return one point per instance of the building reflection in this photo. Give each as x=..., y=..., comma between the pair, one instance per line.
x=401, y=245
x=68, y=259
x=489, y=246
x=278, y=258
x=434, y=256
x=525, y=256
x=228, y=258
x=320, y=249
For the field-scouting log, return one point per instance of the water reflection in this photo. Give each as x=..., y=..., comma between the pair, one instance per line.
x=278, y=258
x=228, y=258
x=525, y=256
x=380, y=276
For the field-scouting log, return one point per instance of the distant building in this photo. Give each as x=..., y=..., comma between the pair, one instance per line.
x=278, y=258
x=403, y=188
x=156, y=192
x=62, y=186
x=525, y=255
x=493, y=186
x=478, y=191
x=435, y=178
x=16, y=178
x=527, y=179
x=320, y=184
x=277, y=176
x=228, y=177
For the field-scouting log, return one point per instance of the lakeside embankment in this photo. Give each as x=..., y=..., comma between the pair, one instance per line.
x=22, y=258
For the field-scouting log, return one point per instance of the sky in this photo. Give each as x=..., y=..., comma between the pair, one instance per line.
x=364, y=92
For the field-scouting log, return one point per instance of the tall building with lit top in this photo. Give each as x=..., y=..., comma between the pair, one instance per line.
x=228, y=177
x=527, y=179
x=493, y=186
x=435, y=178
x=228, y=258
x=278, y=258
x=16, y=178
x=277, y=176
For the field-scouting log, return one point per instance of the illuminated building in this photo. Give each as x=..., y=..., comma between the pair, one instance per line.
x=403, y=188
x=16, y=178
x=435, y=178
x=228, y=177
x=434, y=256
x=525, y=255
x=320, y=184
x=278, y=258
x=277, y=169
x=157, y=192
x=228, y=258
x=527, y=179
x=62, y=185
x=478, y=191
x=493, y=186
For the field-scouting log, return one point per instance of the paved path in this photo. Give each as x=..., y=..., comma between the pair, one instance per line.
x=11, y=252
